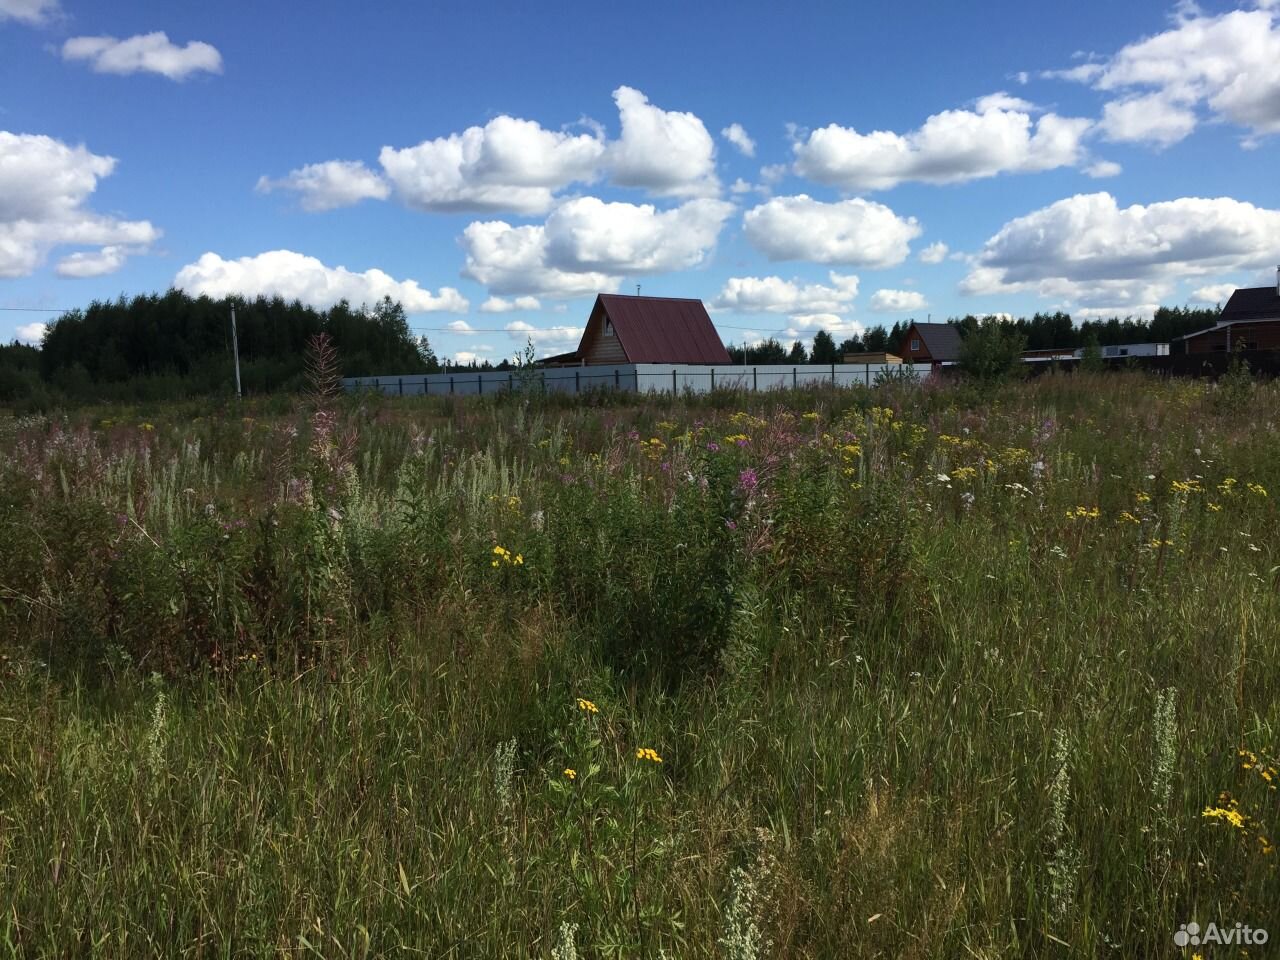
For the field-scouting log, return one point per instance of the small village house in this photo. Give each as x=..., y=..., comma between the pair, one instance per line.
x=1249, y=321
x=624, y=329
x=935, y=343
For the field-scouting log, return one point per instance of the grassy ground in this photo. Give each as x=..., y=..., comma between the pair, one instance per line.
x=916, y=672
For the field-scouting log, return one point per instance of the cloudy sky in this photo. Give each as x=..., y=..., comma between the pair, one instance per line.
x=796, y=166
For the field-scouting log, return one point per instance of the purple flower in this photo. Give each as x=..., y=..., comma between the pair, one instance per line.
x=713, y=447
x=731, y=525
x=748, y=480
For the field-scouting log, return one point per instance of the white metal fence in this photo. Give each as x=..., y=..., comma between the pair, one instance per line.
x=635, y=377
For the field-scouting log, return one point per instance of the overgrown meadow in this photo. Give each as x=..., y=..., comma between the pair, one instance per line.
x=916, y=671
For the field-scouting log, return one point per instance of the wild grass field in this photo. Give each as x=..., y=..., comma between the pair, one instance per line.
x=918, y=671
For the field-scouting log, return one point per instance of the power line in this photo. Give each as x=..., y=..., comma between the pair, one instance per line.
x=38, y=309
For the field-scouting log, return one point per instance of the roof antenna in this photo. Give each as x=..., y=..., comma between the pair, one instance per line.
x=637, y=289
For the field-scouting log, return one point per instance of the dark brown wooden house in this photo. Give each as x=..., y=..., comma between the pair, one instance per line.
x=930, y=343
x=1249, y=321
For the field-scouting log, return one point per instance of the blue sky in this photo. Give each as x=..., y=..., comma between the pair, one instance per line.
x=796, y=167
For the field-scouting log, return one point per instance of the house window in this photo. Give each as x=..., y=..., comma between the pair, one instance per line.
x=608, y=327
x=915, y=343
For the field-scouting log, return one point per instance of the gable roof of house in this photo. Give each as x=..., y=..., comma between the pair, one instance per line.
x=659, y=329
x=942, y=340
x=1252, y=303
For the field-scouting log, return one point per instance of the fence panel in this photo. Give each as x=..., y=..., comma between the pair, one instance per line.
x=647, y=377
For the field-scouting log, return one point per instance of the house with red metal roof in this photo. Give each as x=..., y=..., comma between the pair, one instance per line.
x=623, y=329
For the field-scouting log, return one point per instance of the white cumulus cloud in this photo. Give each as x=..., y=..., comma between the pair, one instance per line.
x=1153, y=118
x=31, y=332
x=34, y=12
x=1226, y=64
x=934, y=253
x=857, y=232
x=145, y=53
x=502, y=305
x=804, y=325
x=736, y=134
x=776, y=295
x=897, y=301
x=998, y=136
x=95, y=263
x=295, y=276
x=507, y=165
x=587, y=245
x=667, y=152
x=1213, y=293
x=44, y=185
x=1090, y=251
x=564, y=336
x=329, y=185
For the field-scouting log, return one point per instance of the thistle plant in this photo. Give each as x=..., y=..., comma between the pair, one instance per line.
x=566, y=948
x=156, y=739
x=1165, y=751
x=749, y=887
x=1064, y=858
x=504, y=768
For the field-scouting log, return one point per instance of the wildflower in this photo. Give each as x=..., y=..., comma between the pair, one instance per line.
x=570, y=773
x=151, y=426
x=1257, y=489
x=1127, y=517
x=1230, y=814
x=648, y=753
x=811, y=415
x=1142, y=497
x=1214, y=507
x=748, y=480
x=586, y=706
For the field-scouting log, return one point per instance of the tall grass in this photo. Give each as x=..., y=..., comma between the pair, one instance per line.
x=904, y=672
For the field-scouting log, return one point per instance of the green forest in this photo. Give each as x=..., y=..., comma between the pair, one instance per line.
x=170, y=346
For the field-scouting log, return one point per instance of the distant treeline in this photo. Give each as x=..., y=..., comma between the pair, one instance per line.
x=172, y=345
x=1041, y=332
x=169, y=346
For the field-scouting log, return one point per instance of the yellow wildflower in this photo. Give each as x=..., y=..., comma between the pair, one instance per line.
x=571, y=773
x=648, y=753
x=587, y=706
x=1229, y=814
x=1258, y=489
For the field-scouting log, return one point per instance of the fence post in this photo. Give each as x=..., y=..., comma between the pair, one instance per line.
x=577, y=381
x=479, y=384
x=617, y=378
x=674, y=391
x=866, y=373
x=833, y=374
x=713, y=378
x=510, y=382
x=451, y=384
x=795, y=378
x=400, y=380
x=755, y=380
